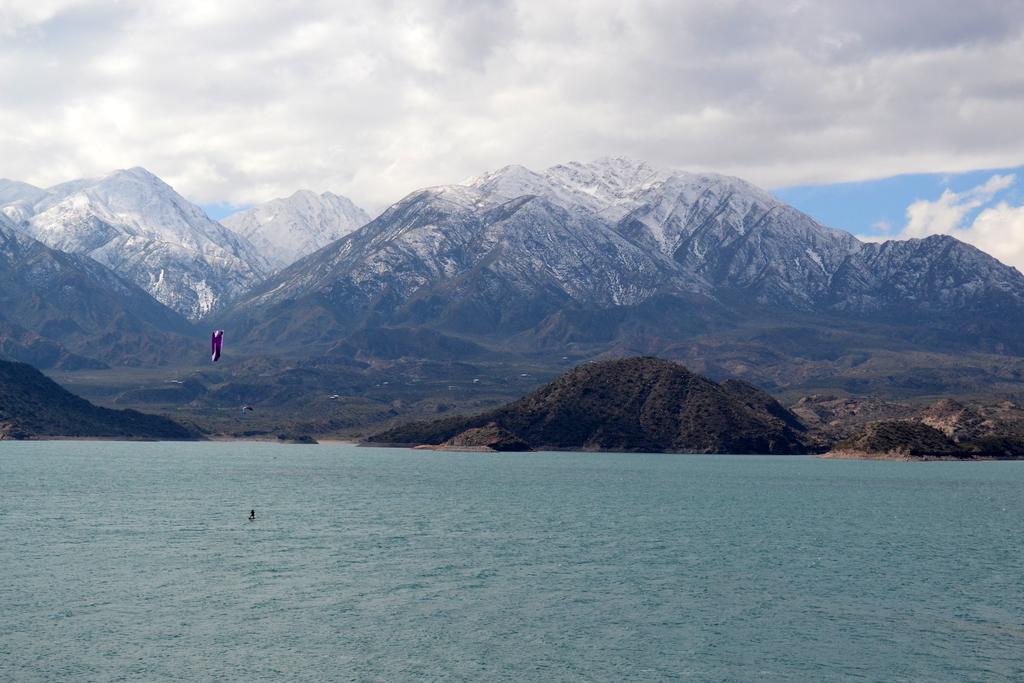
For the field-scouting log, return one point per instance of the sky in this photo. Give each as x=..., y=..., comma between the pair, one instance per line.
x=862, y=113
x=983, y=207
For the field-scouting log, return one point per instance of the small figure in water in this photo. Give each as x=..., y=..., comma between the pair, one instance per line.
x=252, y=514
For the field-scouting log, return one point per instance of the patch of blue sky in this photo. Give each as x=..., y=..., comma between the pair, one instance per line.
x=877, y=207
x=218, y=210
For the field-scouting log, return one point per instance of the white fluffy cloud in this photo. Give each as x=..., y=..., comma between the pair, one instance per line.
x=998, y=228
x=243, y=101
x=946, y=214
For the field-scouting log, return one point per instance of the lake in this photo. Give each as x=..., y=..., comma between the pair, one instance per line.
x=136, y=561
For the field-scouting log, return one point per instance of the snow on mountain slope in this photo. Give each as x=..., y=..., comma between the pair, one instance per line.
x=453, y=257
x=13, y=190
x=139, y=227
x=515, y=252
x=285, y=230
x=617, y=184
x=729, y=232
x=939, y=274
x=740, y=238
x=17, y=199
x=609, y=188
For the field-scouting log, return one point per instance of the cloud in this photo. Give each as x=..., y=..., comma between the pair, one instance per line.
x=882, y=227
x=243, y=101
x=997, y=229
x=946, y=214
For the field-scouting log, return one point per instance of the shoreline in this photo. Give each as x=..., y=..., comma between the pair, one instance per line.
x=844, y=454
x=864, y=455
x=208, y=439
x=896, y=456
x=113, y=439
x=454, y=449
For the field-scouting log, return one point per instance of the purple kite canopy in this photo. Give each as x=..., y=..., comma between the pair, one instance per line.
x=216, y=341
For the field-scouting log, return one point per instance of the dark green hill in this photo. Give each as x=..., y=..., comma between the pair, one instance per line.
x=32, y=405
x=635, y=404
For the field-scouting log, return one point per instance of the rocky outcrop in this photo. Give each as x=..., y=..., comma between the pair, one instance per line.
x=490, y=436
x=919, y=439
x=846, y=413
x=957, y=421
x=900, y=438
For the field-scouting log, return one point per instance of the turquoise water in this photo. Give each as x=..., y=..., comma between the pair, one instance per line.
x=134, y=561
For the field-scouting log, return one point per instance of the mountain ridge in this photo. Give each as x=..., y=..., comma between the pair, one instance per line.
x=139, y=227
x=615, y=235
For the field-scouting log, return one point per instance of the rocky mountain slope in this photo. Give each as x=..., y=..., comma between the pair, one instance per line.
x=463, y=261
x=751, y=248
x=934, y=276
x=945, y=428
x=900, y=439
x=903, y=439
x=68, y=311
x=285, y=230
x=732, y=234
x=615, y=253
x=839, y=417
x=635, y=404
x=957, y=421
x=139, y=227
x=32, y=406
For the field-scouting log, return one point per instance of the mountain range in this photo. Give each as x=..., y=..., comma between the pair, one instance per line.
x=615, y=252
x=583, y=260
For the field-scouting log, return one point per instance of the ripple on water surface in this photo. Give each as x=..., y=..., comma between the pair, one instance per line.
x=135, y=561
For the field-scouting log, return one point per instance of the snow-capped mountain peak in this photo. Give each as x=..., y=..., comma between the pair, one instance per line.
x=136, y=224
x=284, y=230
x=135, y=199
x=517, y=254
x=510, y=181
x=606, y=187
x=662, y=208
x=609, y=179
